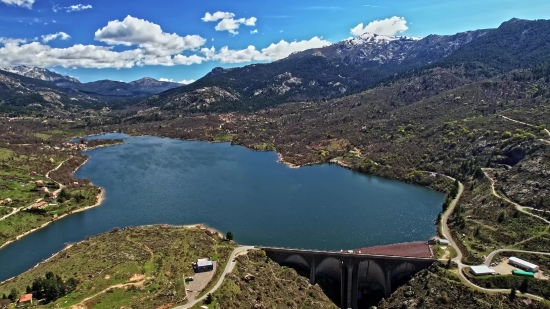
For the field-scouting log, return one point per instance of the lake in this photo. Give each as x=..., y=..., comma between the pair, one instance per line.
x=152, y=180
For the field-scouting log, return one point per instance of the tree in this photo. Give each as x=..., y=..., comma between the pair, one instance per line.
x=524, y=286
x=13, y=295
x=449, y=263
x=28, y=290
x=4, y=296
x=229, y=236
x=209, y=299
x=513, y=294
x=502, y=217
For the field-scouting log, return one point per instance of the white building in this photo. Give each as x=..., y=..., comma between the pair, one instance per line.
x=523, y=264
x=481, y=270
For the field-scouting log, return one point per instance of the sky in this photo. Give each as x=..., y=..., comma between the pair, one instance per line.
x=182, y=40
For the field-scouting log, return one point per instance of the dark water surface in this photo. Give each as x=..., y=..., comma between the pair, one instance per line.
x=154, y=180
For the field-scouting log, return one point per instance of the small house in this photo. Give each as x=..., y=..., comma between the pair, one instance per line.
x=39, y=205
x=444, y=242
x=24, y=300
x=39, y=184
x=203, y=265
x=44, y=190
x=8, y=201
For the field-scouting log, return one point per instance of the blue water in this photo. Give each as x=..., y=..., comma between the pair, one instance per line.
x=152, y=180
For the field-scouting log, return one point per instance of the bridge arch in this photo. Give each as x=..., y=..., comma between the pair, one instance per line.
x=331, y=267
x=296, y=259
x=402, y=273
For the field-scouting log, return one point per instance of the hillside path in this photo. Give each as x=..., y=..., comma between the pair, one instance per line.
x=56, y=192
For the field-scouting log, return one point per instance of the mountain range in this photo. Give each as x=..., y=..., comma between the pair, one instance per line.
x=337, y=70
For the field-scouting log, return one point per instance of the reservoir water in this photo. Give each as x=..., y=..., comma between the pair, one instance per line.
x=151, y=180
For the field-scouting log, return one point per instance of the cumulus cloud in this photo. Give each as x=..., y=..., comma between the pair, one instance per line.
x=254, y=31
x=388, y=26
x=53, y=36
x=184, y=82
x=227, y=21
x=23, y=3
x=146, y=35
x=217, y=16
x=275, y=51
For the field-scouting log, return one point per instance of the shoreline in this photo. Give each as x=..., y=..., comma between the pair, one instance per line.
x=100, y=198
x=200, y=226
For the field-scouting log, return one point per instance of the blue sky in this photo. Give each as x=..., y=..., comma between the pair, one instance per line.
x=177, y=39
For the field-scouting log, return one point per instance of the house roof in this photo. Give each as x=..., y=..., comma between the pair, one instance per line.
x=523, y=262
x=25, y=298
x=204, y=263
x=482, y=269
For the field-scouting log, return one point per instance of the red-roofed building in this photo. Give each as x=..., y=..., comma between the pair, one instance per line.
x=25, y=300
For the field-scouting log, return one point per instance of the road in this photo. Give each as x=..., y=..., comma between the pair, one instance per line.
x=459, y=255
x=16, y=210
x=228, y=268
x=516, y=205
x=491, y=255
x=529, y=125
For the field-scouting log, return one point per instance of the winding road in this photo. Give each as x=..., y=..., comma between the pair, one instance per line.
x=447, y=232
x=228, y=268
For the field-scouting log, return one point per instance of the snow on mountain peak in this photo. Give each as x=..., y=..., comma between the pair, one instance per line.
x=368, y=37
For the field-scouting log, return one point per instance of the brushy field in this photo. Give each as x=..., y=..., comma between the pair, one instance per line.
x=273, y=286
x=141, y=267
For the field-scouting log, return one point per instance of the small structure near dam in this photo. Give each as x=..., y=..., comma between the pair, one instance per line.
x=382, y=266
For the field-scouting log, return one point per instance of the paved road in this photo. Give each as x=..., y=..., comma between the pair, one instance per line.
x=492, y=254
x=458, y=258
x=228, y=268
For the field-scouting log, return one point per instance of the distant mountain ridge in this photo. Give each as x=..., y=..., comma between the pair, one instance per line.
x=142, y=87
x=40, y=73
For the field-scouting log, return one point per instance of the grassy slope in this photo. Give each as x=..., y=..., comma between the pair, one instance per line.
x=273, y=287
x=157, y=257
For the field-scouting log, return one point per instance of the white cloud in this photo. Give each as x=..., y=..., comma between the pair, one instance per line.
x=146, y=35
x=184, y=82
x=23, y=3
x=275, y=51
x=53, y=36
x=217, y=16
x=254, y=31
x=227, y=22
x=78, y=7
x=388, y=26
x=73, y=8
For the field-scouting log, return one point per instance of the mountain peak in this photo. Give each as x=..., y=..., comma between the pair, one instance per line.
x=39, y=73
x=369, y=37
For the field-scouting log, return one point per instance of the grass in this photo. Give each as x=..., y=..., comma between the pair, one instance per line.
x=25, y=221
x=225, y=137
x=162, y=254
x=43, y=136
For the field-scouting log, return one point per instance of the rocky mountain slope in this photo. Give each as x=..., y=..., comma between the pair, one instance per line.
x=23, y=94
x=333, y=71
x=39, y=73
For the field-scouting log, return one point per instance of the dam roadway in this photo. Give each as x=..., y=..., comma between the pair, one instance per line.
x=355, y=269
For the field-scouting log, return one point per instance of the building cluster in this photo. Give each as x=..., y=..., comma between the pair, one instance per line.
x=525, y=268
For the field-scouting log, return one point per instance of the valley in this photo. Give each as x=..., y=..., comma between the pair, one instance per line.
x=466, y=115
